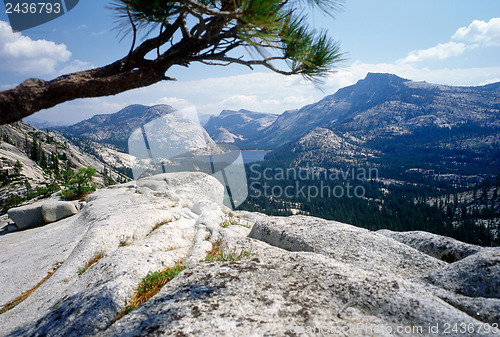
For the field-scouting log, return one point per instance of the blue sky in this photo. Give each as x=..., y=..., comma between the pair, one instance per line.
x=440, y=41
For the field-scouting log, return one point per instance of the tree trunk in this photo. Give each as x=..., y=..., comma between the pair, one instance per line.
x=34, y=94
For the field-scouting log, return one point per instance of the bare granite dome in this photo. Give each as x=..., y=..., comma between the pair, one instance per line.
x=273, y=276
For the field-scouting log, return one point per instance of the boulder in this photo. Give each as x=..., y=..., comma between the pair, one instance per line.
x=191, y=185
x=40, y=213
x=438, y=246
x=345, y=243
x=27, y=216
x=12, y=227
x=57, y=210
x=477, y=275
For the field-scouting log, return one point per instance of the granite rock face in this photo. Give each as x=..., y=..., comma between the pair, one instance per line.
x=477, y=275
x=277, y=276
x=41, y=212
x=27, y=216
x=344, y=243
x=438, y=246
x=57, y=210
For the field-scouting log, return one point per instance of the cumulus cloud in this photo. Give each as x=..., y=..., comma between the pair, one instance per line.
x=298, y=100
x=175, y=102
x=440, y=52
x=26, y=56
x=239, y=100
x=480, y=32
x=477, y=34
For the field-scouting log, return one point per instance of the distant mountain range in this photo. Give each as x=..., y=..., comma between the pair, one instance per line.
x=238, y=127
x=379, y=120
x=380, y=105
x=430, y=144
x=384, y=121
x=117, y=127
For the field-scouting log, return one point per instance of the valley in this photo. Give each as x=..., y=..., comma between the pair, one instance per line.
x=436, y=151
x=433, y=153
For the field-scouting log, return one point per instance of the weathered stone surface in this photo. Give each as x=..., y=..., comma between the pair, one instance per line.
x=438, y=246
x=27, y=216
x=344, y=243
x=12, y=227
x=160, y=232
x=310, y=276
x=483, y=309
x=57, y=210
x=27, y=256
x=472, y=285
x=279, y=293
x=477, y=275
x=191, y=185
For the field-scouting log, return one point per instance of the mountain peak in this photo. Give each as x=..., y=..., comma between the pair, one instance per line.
x=373, y=87
x=384, y=77
x=115, y=128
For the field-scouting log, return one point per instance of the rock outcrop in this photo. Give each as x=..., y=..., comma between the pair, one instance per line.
x=271, y=276
x=57, y=210
x=41, y=212
x=441, y=247
x=26, y=216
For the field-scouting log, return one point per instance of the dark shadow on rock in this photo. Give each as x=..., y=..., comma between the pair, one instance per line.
x=86, y=315
x=74, y=316
x=155, y=317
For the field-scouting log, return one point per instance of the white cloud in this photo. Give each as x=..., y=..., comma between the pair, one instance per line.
x=477, y=34
x=177, y=103
x=26, y=56
x=239, y=100
x=299, y=100
x=480, y=32
x=446, y=76
x=441, y=51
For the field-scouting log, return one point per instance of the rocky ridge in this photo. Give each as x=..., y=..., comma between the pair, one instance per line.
x=291, y=276
x=16, y=144
x=116, y=128
x=385, y=105
x=238, y=126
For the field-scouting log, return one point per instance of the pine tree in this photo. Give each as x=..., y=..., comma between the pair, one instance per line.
x=43, y=161
x=18, y=168
x=55, y=162
x=34, y=149
x=275, y=32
